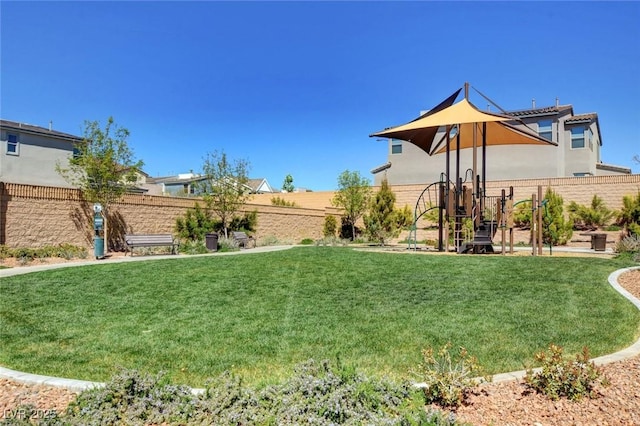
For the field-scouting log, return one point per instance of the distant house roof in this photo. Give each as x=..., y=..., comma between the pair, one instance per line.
x=179, y=179
x=612, y=168
x=260, y=186
x=37, y=130
x=582, y=118
x=549, y=110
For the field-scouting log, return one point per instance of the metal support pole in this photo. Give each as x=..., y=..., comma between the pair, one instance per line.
x=540, y=244
x=534, y=222
x=503, y=220
x=511, y=227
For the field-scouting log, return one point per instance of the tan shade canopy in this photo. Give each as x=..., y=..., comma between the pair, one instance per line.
x=497, y=133
x=422, y=131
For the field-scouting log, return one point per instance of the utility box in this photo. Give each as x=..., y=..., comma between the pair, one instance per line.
x=98, y=227
x=211, y=241
x=98, y=247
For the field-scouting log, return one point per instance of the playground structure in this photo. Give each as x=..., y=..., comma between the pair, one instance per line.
x=463, y=201
x=475, y=219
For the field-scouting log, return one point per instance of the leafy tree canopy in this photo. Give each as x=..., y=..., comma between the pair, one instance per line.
x=224, y=186
x=103, y=166
x=352, y=197
x=287, y=185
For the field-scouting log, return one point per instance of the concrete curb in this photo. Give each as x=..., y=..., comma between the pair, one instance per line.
x=80, y=385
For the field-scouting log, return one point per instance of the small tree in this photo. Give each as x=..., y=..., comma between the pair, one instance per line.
x=352, y=197
x=384, y=221
x=103, y=166
x=556, y=229
x=287, y=185
x=224, y=186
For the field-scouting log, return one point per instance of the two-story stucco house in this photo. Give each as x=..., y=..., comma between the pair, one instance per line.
x=29, y=153
x=577, y=153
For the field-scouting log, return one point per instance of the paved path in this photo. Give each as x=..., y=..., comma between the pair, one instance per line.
x=80, y=385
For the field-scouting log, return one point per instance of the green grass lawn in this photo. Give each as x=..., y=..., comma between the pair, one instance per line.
x=260, y=314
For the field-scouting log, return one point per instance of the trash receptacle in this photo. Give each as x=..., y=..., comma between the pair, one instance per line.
x=600, y=242
x=98, y=247
x=211, y=241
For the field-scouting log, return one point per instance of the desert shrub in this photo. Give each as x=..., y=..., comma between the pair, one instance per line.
x=629, y=215
x=133, y=398
x=69, y=251
x=330, y=226
x=247, y=222
x=590, y=217
x=562, y=377
x=195, y=224
x=317, y=393
x=447, y=378
x=193, y=247
x=227, y=244
x=278, y=201
x=307, y=241
x=333, y=242
x=269, y=240
x=629, y=246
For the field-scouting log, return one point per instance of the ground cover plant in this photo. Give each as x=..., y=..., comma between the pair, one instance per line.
x=317, y=393
x=561, y=377
x=258, y=315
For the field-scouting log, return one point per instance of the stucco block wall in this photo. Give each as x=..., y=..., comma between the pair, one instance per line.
x=36, y=216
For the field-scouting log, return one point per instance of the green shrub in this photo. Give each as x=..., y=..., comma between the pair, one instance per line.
x=277, y=201
x=330, y=226
x=195, y=224
x=590, y=217
x=629, y=215
x=522, y=215
x=383, y=220
x=561, y=377
x=247, y=222
x=448, y=378
x=556, y=230
x=307, y=241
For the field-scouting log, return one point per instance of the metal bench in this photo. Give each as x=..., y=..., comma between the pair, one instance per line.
x=243, y=239
x=151, y=240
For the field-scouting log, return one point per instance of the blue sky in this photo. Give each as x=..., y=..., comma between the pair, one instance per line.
x=297, y=87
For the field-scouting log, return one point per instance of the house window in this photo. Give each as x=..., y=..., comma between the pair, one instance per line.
x=12, y=144
x=577, y=137
x=396, y=146
x=544, y=129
